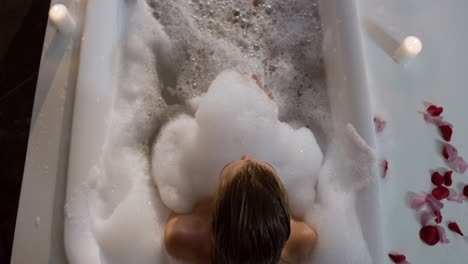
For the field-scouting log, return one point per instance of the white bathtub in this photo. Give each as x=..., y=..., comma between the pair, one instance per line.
x=71, y=104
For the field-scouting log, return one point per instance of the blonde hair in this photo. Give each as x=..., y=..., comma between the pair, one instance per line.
x=251, y=220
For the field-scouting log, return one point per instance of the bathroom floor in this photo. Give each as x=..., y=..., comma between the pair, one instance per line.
x=22, y=28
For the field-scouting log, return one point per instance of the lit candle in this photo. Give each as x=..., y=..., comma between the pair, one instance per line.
x=61, y=19
x=409, y=48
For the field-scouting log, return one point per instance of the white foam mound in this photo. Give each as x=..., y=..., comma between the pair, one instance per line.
x=234, y=117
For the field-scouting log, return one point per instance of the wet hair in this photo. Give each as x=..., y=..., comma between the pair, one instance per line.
x=251, y=220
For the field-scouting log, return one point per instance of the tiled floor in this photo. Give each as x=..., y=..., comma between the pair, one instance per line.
x=22, y=28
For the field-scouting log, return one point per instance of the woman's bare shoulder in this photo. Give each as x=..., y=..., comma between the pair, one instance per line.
x=301, y=242
x=188, y=236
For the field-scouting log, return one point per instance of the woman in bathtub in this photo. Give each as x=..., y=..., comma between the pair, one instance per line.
x=248, y=219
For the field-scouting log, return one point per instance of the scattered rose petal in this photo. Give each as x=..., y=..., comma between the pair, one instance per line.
x=446, y=132
x=465, y=191
x=384, y=165
x=459, y=165
x=397, y=258
x=437, y=179
x=418, y=201
x=438, y=216
x=435, y=110
x=442, y=235
x=449, y=152
x=435, y=204
x=455, y=228
x=455, y=197
x=426, y=217
x=429, y=234
x=379, y=124
x=448, y=178
x=436, y=120
x=440, y=192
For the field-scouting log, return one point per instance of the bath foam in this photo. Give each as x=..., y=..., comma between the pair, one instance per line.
x=281, y=41
x=116, y=215
x=234, y=117
x=349, y=165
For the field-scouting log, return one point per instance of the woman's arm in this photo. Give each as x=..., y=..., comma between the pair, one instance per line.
x=300, y=244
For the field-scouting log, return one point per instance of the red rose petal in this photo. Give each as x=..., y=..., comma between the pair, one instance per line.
x=448, y=178
x=455, y=228
x=397, y=258
x=437, y=179
x=459, y=165
x=429, y=234
x=446, y=132
x=435, y=110
x=379, y=124
x=442, y=235
x=445, y=153
x=438, y=215
x=465, y=191
x=384, y=165
x=440, y=192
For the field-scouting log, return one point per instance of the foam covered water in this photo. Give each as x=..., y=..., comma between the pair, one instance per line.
x=233, y=118
x=171, y=52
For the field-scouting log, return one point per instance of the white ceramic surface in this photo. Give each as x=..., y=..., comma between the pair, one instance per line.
x=39, y=224
x=437, y=74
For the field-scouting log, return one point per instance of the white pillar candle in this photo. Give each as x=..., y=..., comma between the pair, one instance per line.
x=409, y=48
x=61, y=19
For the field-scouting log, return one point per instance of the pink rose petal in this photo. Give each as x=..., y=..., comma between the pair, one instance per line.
x=436, y=120
x=438, y=216
x=449, y=152
x=459, y=165
x=379, y=124
x=426, y=217
x=433, y=202
x=417, y=202
x=442, y=235
x=455, y=197
x=445, y=123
